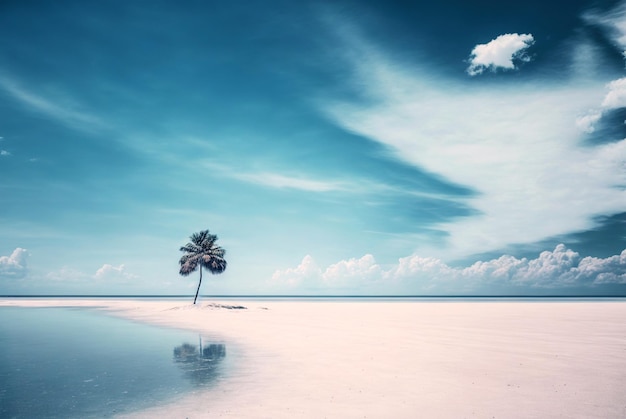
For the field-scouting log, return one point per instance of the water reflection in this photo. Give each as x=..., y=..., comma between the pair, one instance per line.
x=71, y=363
x=200, y=362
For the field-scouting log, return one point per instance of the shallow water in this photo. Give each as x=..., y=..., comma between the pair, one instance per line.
x=70, y=363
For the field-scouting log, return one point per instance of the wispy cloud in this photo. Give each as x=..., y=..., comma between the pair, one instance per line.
x=56, y=107
x=4, y=153
x=614, y=20
x=500, y=53
x=517, y=146
x=307, y=183
x=561, y=268
x=275, y=180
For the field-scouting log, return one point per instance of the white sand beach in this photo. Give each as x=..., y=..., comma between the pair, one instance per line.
x=317, y=359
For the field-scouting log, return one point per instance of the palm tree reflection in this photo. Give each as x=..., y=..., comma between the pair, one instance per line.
x=200, y=363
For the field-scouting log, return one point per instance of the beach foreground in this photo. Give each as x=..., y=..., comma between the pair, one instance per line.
x=399, y=359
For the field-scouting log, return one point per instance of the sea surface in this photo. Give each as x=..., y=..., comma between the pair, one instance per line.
x=81, y=363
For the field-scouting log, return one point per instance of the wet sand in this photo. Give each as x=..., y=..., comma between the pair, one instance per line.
x=316, y=359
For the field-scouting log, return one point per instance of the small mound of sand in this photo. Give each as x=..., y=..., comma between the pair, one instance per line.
x=226, y=306
x=208, y=306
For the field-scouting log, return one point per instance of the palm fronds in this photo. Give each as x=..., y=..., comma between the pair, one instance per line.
x=202, y=251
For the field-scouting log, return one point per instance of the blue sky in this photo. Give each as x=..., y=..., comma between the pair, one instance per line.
x=335, y=148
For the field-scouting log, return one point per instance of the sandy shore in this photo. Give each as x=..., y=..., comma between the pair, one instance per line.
x=401, y=359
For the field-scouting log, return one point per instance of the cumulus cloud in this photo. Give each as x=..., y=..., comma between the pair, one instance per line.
x=110, y=272
x=587, y=122
x=500, y=53
x=615, y=98
x=560, y=268
x=344, y=275
x=358, y=273
x=346, y=272
x=306, y=271
x=14, y=266
x=4, y=153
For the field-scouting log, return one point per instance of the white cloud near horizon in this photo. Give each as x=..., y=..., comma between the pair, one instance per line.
x=14, y=266
x=109, y=272
x=66, y=274
x=519, y=147
x=306, y=271
x=556, y=269
x=499, y=53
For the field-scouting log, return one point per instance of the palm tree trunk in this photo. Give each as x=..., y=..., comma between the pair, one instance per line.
x=200, y=282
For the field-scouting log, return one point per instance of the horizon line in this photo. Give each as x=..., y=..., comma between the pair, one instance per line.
x=368, y=296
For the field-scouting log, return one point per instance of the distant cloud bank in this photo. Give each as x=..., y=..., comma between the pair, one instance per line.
x=560, y=268
x=500, y=53
x=14, y=266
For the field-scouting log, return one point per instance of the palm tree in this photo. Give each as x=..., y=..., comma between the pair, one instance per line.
x=201, y=252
